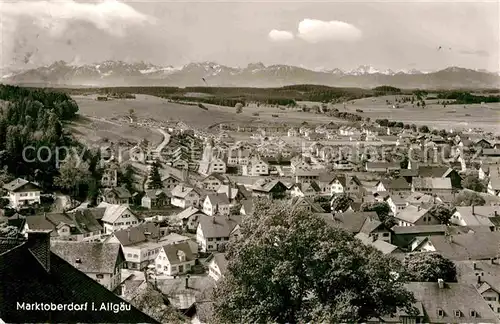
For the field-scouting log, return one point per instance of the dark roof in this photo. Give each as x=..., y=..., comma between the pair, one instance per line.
x=218, y=199
x=120, y=192
x=25, y=280
x=17, y=184
x=80, y=221
x=453, y=296
x=354, y=221
x=471, y=246
x=302, y=201
x=134, y=235
x=396, y=184
x=432, y=171
x=218, y=226
x=93, y=257
x=419, y=229
x=172, y=252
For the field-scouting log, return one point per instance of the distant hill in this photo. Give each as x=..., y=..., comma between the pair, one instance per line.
x=117, y=73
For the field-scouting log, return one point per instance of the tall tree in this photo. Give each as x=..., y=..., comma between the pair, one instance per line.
x=154, y=181
x=383, y=210
x=289, y=267
x=441, y=212
x=73, y=174
x=429, y=267
x=469, y=198
x=473, y=183
x=341, y=203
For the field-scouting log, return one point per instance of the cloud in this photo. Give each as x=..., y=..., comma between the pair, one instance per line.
x=315, y=31
x=280, y=35
x=480, y=53
x=57, y=17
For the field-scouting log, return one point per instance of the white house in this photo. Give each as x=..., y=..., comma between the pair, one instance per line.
x=216, y=204
x=22, y=193
x=175, y=259
x=217, y=166
x=217, y=266
x=184, y=196
x=213, y=232
x=117, y=217
x=256, y=167
x=100, y=261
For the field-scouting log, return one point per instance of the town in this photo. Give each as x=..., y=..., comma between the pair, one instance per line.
x=155, y=225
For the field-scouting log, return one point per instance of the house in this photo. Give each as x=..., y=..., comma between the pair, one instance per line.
x=170, y=182
x=307, y=175
x=184, y=196
x=189, y=218
x=141, y=244
x=349, y=184
x=216, y=204
x=217, y=265
x=175, y=259
x=381, y=245
x=494, y=184
x=155, y=198
x=109, y=177
x=117, y=217
x=436, y=171
x=476, y=216
x=445, y=302
x=256, y=167
x=403, y=235
x=382, y=166
x=32, y=270
x=213, y=181
x=420, y=199
x=307, y=203
x=483, y=143
x=485, y=276
x=272, y=189
x=361, y=222
x=115, y=196
x=471, y=246
x=415, y=215
x=217, y=166
x=213, y=232
x=102, y=262
x=22, y=193
x=292, y=132
x=78, y=226
x=432, y=185
x=310, y=189
x=394, y=185
x=397, y=203
x=348, y=131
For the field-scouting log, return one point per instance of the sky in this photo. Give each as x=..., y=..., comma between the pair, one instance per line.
x=343, y=34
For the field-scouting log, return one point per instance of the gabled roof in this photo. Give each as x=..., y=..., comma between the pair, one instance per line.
x=217, y=176
x=188, y=212
x=155, y=193
x=120, y=192
x=181, y=191
x=395, y=184
x=354, y=221
x=93, y=257
x=411, y=214
x=307, y=186
x=453, y=296
x=470, y=246
x=433, y=171
x=419, y=229
x=247, y=204
x=23, y=275
x=382, y=246
x=136, y=234
x=113, y=212
x=18, y=184
x=302, y=201
x=218, y=226
x=172, y=252
x=220, y=260
x=432, y=183
x=218, y=199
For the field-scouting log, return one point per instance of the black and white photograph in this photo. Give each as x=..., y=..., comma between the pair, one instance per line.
x=250, y=161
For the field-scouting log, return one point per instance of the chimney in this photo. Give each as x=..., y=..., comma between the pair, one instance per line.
x=39, y=244
x=495, y=213
x=474, y=265
x=186, y=285
x=478, y=280
x=418, y=208
x=492, y=260
x=473, y=213
x=441, y=283
x=213, y=219
x=128, y=234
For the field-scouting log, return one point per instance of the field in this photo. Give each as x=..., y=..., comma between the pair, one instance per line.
x=435, y=116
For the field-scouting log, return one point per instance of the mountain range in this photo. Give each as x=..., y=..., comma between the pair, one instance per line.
x=118, y=73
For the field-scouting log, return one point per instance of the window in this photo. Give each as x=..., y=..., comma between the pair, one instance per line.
x=472, y=313
x=210, y=247
x=210, y=239
x=386, y=234
x=136, y=256
x=440, y=312
x=218, y=239
x=490, y=298
x=99, y=276
x=129, y=255
x=457, y=313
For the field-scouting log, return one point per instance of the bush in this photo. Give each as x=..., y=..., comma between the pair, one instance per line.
x=255, y=114
x=275, y=115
